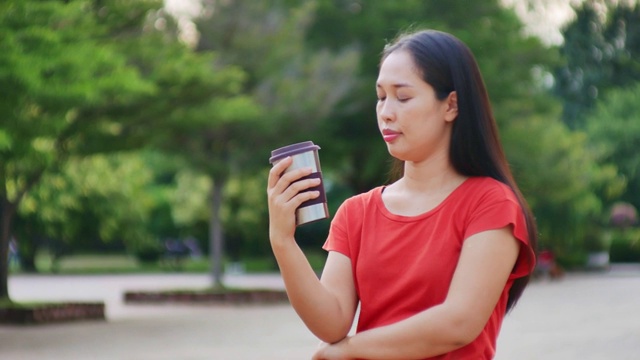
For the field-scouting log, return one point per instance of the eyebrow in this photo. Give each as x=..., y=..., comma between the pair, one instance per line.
x=397, y=86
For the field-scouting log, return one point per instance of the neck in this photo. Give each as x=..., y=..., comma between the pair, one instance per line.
x=423, y=186
x=430, y=175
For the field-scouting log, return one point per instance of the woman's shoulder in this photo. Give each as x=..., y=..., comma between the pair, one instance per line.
x=364, y=199
x=484, y=186
x=354, y=208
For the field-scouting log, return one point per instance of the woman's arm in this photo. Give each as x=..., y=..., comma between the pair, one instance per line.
x=327, y=307
x=486, y=260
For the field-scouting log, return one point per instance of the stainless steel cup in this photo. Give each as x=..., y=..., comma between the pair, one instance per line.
x=305, y=154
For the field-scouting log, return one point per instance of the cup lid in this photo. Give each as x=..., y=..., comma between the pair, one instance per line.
x=293, y=149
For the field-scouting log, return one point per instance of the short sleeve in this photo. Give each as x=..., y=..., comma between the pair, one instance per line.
x=338, y=239
x=497, y=214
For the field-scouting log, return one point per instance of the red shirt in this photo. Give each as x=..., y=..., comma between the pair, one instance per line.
x=403, y=265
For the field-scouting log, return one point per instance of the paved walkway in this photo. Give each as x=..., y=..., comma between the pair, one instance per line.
x=583, y=316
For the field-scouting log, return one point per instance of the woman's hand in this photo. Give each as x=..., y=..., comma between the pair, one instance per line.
x=335, y=351
x=285, y=193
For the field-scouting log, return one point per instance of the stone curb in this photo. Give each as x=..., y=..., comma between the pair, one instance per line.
x=51, y=313
x=239, y=297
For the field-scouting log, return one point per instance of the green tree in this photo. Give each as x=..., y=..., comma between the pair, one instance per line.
x=294, y=86
x=567, y=183
x=51, y=68
x=601, y=51
x=614, y=129
x=91, y=200
x=84, y=77
x=214, y=140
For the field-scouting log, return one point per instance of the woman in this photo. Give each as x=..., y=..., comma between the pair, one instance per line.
x=436, y=258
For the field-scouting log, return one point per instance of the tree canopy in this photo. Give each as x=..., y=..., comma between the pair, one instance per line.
x=601, y=51
x=614, y=129
x=83, y=77
x=90, y=88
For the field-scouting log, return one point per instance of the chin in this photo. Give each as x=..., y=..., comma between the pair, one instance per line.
x=398, y=155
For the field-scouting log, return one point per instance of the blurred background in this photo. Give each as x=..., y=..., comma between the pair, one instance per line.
x=135, y=134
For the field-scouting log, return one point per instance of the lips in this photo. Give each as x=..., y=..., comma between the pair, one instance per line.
x=389, y=135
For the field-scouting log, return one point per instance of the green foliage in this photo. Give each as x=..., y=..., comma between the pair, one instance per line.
x=147, y=251
x=245, y=217
x=54, y=62
x=614, y=129
x=625, y=245
x=190, y=199
x=98, y=197
x=59, y=71
x=561, y=177
x=291, y=86
x=601, y=51
x=297, y=86
x=84, y=77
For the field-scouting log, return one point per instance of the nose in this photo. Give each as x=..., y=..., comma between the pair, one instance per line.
x=385, y=111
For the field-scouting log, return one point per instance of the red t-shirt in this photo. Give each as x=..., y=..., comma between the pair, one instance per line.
x=403, y=265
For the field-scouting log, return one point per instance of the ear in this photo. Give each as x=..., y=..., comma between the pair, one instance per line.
x=451, y=112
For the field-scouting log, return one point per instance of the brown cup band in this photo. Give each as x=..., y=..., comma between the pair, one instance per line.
x=320, y=199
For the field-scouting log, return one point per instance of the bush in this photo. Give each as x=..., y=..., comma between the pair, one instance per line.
x=148, y=255
x=625, y=246
x=572, y=260
x=147, y=252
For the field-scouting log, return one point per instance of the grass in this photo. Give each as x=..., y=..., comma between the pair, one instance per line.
x=123, y=264
x=88, y=264
x=9, y=304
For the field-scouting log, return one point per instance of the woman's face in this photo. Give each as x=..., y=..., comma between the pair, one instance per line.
x=415, y=125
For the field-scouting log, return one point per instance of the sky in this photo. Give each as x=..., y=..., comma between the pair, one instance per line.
x=183, y=7
x=542, y=18
x=184, y=11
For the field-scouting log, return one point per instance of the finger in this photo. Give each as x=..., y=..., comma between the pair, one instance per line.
x=290, y=201
x=297, y=200
x=288, y=179
x=295, y=175
x=300, y=187
x=318, y=355
x=276, y=171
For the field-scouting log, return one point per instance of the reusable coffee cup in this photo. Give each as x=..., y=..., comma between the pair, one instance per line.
x=305, y=154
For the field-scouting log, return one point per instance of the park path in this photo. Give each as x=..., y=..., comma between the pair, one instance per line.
x=584, y=316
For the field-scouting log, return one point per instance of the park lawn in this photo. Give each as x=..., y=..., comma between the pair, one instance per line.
x=114, y=263
x=123, y=263
x=88, y=263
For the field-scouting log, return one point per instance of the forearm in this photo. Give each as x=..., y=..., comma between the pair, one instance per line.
x=485, y=263
x=433, y=332
x=318, y=308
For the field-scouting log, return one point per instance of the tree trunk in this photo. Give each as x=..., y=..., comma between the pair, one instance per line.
x=28, y=261
x=6, y=215
x=216, y=239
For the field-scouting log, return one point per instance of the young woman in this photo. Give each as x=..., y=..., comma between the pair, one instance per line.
x=435, y=259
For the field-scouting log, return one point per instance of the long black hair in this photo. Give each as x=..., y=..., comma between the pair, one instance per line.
x=447, y=64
